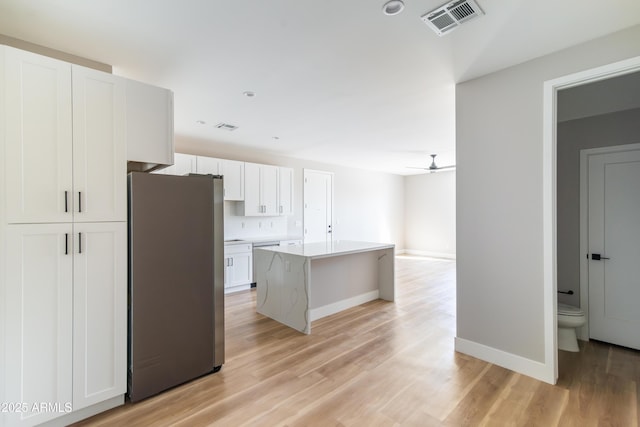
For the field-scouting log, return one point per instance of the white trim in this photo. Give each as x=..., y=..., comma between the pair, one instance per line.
x=532, y=368
x=549, y=154
x=583, y=332
x=429, y=254
x=329, y=309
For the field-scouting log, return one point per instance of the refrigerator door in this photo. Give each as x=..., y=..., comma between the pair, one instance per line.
x=171, y=281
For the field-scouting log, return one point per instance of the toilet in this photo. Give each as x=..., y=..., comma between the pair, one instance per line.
x=569, y=318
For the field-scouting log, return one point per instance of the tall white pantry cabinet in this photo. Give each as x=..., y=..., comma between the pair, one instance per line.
x=63, y=239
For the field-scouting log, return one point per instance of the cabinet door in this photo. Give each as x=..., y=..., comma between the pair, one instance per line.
x=208, y=165
x=99, y=151
x=184, y=164
x=37, y=138
x=269, y=189
x=252, y=201
x=285, y=193
x=233, y=172
x=242, y=269
x=149, y=116
x=38, y=319
x=99, y=312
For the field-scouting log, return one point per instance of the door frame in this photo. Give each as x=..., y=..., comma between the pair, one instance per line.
x=304, y=177
x=583, y=333
x=549, y=208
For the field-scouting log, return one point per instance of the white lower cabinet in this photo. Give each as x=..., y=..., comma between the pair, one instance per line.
x=238, y=266
x=38, y=310
x=99, y=312
x=64, y=318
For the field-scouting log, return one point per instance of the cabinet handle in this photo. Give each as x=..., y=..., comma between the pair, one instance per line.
x=281, y=209
x=79, y=201
x=66, y=201
x=79, y=243
x=66, y=242
x=231, y=259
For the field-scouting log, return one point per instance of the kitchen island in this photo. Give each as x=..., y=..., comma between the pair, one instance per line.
x=301, y=283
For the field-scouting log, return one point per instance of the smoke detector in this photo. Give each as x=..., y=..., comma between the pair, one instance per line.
x=226, y=126
x=450, y=16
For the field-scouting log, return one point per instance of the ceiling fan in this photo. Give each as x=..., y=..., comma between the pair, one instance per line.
x=435, y=168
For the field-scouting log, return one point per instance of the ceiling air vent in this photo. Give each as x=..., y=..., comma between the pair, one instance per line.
x=226, y=126
x=451, y=15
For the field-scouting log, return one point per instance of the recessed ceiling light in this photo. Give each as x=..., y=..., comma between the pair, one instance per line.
x=201, y=122
x=249, y=94
x=393, y=7
x=275, y=137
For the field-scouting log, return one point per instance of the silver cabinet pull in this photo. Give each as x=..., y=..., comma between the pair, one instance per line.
x=79, y=243
x=66, y=201
x=66, y=242
x=79, y=201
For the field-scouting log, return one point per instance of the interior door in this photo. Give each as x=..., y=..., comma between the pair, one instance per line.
x=614, y=247
x=318, y=200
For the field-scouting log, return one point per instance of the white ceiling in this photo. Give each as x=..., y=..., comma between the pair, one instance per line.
x=336, y=82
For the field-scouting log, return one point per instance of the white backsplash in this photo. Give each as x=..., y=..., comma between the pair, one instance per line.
x=241, y=227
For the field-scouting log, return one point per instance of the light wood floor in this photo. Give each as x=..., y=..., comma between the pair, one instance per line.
x=385, y=364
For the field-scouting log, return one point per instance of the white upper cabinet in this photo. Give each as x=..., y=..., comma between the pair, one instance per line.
x=149, y=128
x=37, y=138
x=233, y=172
x=184, y=164
x=261, y=190
x=66, y=157
x=99, y=150
x=208, y=165
x=285, y=191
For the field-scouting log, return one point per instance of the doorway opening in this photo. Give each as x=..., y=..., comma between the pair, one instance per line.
x=550, y=193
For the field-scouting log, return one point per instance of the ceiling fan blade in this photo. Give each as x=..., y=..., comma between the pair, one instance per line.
x=415, y=167
x=446, y=167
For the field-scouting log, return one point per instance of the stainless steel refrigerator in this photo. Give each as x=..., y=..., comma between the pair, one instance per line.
x=176, y=282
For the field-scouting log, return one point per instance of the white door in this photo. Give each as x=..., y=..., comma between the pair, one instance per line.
x=38, y=320
x=614, y=237
x=99, y=312
x=99, y=149
x=318, y=200
x=37, y=133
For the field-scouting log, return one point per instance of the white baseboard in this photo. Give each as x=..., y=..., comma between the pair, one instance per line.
x=329, y=309
x=522, y=365
x=430, y=254
x=87, y=412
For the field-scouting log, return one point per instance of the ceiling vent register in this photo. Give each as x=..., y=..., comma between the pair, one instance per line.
x=226, y=126
x=450, y=16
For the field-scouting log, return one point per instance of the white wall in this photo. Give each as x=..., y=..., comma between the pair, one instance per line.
x=368, y=206
x=499, y=120
x=430, y=214
x=574, y=135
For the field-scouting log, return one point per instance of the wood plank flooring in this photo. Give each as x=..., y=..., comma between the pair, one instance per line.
x=386, y=364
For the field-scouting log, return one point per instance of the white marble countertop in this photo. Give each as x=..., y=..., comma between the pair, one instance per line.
x=261, y=239
x=328, y=249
